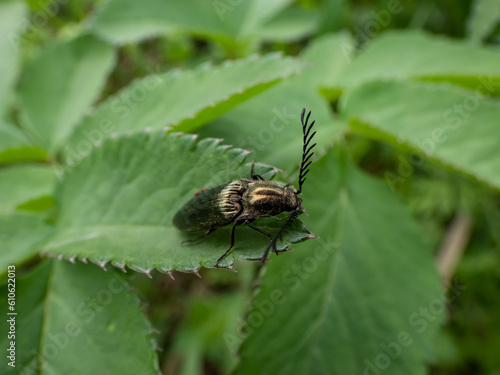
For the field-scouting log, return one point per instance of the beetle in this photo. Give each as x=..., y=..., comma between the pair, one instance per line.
x=244, y=200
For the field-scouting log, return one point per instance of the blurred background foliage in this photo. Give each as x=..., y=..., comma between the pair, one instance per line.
x=192, y=315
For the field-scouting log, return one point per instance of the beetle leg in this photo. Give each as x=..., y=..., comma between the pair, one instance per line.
x=228, y=250
x=269, y=235
x=279, y=236
x=200, y=237
x=254, y=176
x=260, y=230
x=264, y=257
x=251, y=170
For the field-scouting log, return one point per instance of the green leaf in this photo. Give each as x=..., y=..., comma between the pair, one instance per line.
x=12, y=18
x=211, y=323
x=125, y=21
x=69, y=314
x=364, y=298
x=249, y=17
x=20, y=184
x=425, y=56
x=484, y=17
x=331, y=15
x=185, y=99
x=20, y=237
x=128, y=21
x=448, y=124
x=118, y=204
x=328, y=55
x=15, y=146
x=58, y=87
x=292, y=24
x=269, y=124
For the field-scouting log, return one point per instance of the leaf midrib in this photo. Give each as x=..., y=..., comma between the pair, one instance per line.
x=45, y=314
x=343, y=202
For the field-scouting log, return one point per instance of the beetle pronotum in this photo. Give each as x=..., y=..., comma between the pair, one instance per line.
x=244, y=200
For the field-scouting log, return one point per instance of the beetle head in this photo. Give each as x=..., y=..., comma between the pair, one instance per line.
x=291, y=200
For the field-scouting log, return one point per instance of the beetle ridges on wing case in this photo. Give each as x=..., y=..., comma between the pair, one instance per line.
x=215, y=207
x=245, y=200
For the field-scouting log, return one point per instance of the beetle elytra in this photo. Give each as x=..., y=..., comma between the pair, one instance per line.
x=244, y=200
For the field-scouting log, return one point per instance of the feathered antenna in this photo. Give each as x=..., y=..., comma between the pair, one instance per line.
x=306, y=150
x=304, y=165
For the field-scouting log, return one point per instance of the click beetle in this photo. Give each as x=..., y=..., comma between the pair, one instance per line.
x=244, y=200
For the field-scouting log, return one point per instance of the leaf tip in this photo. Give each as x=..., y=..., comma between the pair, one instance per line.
x=120, y=266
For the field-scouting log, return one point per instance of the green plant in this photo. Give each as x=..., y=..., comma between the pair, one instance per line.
x=98, y=112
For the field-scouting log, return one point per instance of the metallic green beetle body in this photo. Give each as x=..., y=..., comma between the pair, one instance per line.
x=239, y=201
x=244, y=200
